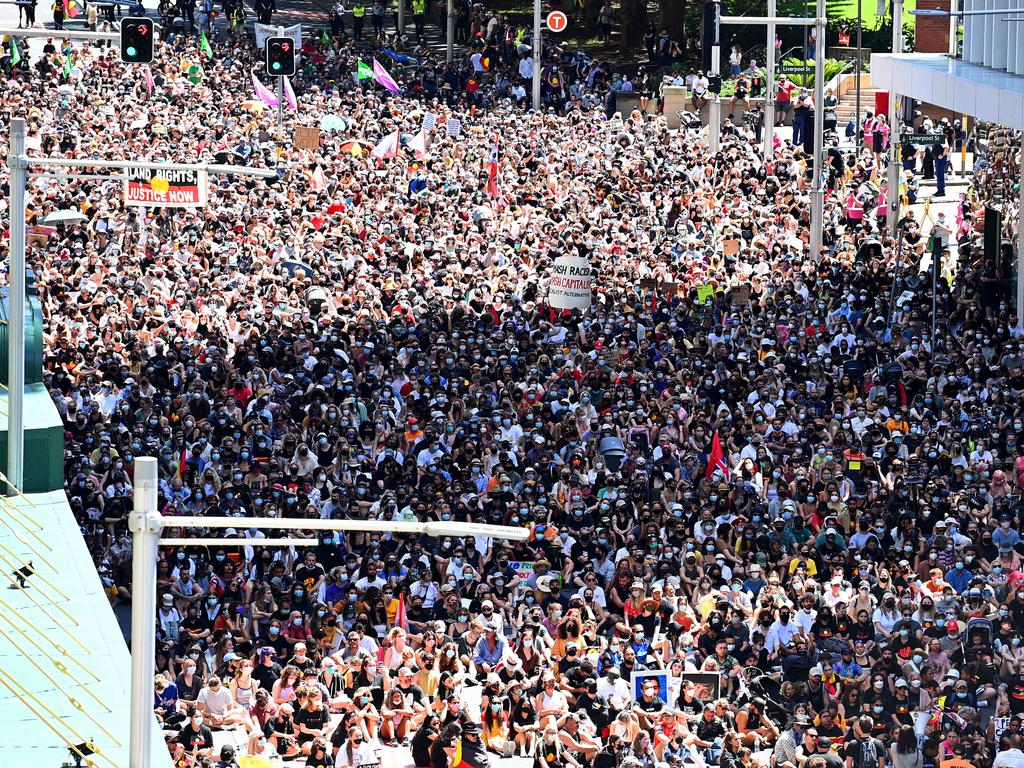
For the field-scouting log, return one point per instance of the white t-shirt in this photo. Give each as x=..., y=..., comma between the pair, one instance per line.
x=215, y=702
x=363, y=755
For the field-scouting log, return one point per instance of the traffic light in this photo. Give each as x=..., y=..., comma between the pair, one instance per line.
x=711, y=31
x=280, y=53
x=136, y=40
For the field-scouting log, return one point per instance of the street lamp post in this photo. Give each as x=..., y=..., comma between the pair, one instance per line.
x=817, y=221
x=538, y=50
x=860, y=68
x=894, y=128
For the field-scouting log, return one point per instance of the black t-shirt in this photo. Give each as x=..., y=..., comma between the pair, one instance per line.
x=692, y=707
x=309, y=575
x=413, y=690
x=195, y=738
x=709, y=730
x=421, y=747
x=864, y=752
x=311, y=718
x=264, y=675
x=186, y=691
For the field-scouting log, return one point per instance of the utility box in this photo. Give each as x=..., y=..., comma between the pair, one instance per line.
x=675, y=100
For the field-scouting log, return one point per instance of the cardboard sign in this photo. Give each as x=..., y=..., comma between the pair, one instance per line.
x=740, y=295
x=648, y=284
x=307, y=138
x=521, y=568
x=730, y=247
x=571, y=283
x=168, y=189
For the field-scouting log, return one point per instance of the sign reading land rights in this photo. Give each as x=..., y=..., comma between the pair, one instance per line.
x=184, y=188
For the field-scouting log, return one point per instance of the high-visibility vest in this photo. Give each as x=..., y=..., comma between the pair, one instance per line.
x=358, y=11
x=419, y=7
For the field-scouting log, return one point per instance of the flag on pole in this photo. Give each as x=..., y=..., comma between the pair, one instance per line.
x=383, y=78
x=67, y=68
x=454, y=127
x=364, y=71
x=492, y=170
x=179, y=473
x=401, y=619
x=289, y=94
x=388, y=147
x=15, y=53
x=72, y=9
x=317, y=180
x=324, y=37
x=418, y=144
x=150, y=84
x=204, y=45
x=716, y=461
x=263, y=93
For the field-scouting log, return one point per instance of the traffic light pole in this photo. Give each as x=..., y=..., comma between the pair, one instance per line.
x=715, y=105
x=893, y=182
x=538, y=53
x=280, y=87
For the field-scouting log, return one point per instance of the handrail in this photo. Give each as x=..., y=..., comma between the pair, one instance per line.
x=36, y=576
x=71, y=744
x=46, y=651
x=74, y=702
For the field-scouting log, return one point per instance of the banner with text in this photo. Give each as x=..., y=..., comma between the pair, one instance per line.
x=169, y=189
x=571, y=283
x=263, y=31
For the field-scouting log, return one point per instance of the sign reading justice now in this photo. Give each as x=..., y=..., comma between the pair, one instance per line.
x=167, y=188
x=571, y=283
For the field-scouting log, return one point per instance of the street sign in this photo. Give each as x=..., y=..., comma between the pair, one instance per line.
x=185, y=188
x=557, y=21
x=927, y=138
x=794, y=69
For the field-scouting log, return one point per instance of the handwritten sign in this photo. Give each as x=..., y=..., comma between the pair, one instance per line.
x=571, y=283
x=705, y=293
x=307, y=138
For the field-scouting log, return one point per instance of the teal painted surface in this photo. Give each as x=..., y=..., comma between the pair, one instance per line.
x=33, y=334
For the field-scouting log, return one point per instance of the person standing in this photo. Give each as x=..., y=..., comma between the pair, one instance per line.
x=941, y=154
x=264, y=10
x=377, y=16
x=358, y=18
x=58, y=14
x=419, y=17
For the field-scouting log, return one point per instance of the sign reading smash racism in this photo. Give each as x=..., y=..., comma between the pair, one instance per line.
x=166, y=188
x=571, y=283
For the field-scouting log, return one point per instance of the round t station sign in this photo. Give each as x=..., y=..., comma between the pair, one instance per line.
x=557, y=21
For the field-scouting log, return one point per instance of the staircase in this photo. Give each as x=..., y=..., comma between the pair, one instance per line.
x=847, y=106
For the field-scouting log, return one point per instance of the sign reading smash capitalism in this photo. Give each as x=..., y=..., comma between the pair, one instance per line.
x=571, y=283
x=165, y=188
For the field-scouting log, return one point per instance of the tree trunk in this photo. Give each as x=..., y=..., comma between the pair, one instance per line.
x=633, y=18
x=670, y=18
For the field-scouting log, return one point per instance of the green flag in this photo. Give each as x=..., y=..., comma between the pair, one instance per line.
x=325, y=38
x=16, y=54
x=364, y=71
x=67, y=67
x=204, y=45
x=195, y=74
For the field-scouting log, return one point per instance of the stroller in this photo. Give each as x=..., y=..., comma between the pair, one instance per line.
x=831, y=123
x=755, y=684
x=689, y=121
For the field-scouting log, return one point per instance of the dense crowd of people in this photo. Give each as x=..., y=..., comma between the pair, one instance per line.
x=773, y=508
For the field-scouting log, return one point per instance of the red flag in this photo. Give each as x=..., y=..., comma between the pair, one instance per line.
x=182, y=465
x=716, y=461
x=401, y=620
x=492, y=170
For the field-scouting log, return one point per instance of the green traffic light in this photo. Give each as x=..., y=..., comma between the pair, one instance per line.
x=276, y=65
x=131, y=51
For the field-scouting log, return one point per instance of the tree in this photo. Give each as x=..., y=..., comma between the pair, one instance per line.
x=633, y=21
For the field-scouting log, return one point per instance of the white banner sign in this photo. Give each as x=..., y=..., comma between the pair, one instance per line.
x=571, y=283
x=170, y=189
x=263, y=31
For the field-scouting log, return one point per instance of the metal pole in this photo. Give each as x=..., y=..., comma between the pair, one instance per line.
x=894, y=128
x=401, y=17
x=954, y=27
x=818, y=186
x=280, y=99
x=963, y=148
x=937, y=251
x=16, y=312
x=1020, y=245
x=769, y=86
x=450, y=47
x=145, y=524
x=538, y=50
x=715, y=104
x=860, y=67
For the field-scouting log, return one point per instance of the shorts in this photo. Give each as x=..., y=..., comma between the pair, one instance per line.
x=783, y=106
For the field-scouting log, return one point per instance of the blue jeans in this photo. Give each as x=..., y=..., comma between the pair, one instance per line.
x=798, y=128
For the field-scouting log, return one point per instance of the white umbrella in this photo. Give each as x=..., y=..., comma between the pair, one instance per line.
x=64, y=217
